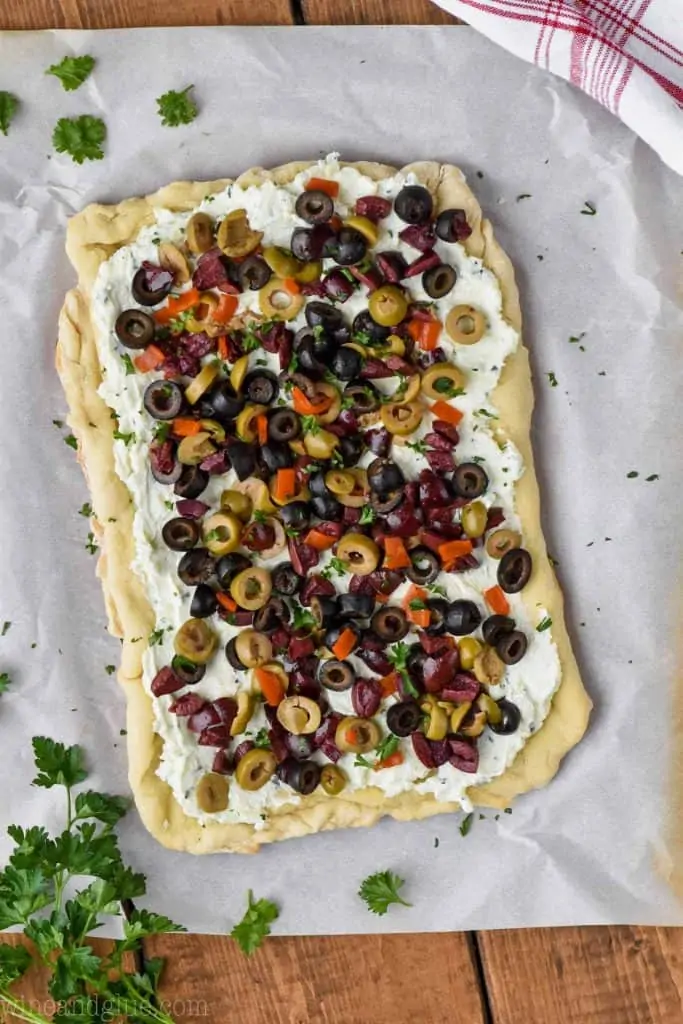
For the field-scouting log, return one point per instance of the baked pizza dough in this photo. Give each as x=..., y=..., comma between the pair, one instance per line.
x=93, y=236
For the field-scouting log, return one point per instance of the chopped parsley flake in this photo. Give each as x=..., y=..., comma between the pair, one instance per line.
x=544, y=624
x=552, y=379
x=589, y=209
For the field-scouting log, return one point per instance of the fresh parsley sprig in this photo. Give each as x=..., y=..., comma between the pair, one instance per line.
x=255, y=925
x=380, y=890
x=72, y=71
x=33, y=887
x=398, y=656
x=9, y=104
x=80, y=137
x=176, y=108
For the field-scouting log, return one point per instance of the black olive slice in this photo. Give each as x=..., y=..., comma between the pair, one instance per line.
x=452, y=226
x=414, y=204
x=187, y=670
x=314, y=206
x=163, y=399
x=390, y=624
x=510, y=719
x=180, y=534
x=438, y=610
x=424, y=566
x=260, y=387
x=470, y=480
x=254, y=273
x=495, y=627
x=191, y=483
x=196, y=566
x=284, y=425
x=151, y=284
x=514, y=570
x=439, y=281
x=228, y=566
x=203, y=602
x=462, y=617
x=404, y=718
x=512, y=647
x=285, y=580
x=323, y=610
x=352, y=606
x=231, y=655
x=323, y=314
x=336, y=675
x=134, y=329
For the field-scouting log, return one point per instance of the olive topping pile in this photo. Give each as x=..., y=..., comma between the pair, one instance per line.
x=313, y=498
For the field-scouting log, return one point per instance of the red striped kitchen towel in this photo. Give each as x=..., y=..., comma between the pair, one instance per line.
x=627, y=54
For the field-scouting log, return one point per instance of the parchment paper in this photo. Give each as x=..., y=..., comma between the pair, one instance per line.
x=581, y=851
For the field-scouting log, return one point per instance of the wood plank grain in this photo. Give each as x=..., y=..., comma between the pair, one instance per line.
x=37, y=14
x=349, y=979
x=612, y=975
x=375, y=12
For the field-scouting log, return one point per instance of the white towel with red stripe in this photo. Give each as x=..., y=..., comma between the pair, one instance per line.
x=627, y=54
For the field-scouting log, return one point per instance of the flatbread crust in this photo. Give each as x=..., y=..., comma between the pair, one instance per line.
x=92, y=237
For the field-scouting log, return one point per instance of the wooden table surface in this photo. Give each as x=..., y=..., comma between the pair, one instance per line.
x=624, y=975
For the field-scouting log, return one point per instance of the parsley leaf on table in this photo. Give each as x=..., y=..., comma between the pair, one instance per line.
x=176, y=107
x=5, y=682
x=80, y=137
x=380, y=890
x=255, y=925
x=466, y=824
x=8, y=108
x=72, y=71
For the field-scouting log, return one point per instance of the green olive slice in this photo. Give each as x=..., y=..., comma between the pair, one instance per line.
x=357, y=735
x=321, y=445
x=473, y=518
x=222, y=532
x=194, y=449
x=212, y=793
x=332, y=779
x=359, y=553
x=328, y=391
x=459, y=715
x=402, y=418
x=255, y=768
x=199, y=233
x=441, y=380
x=237, y=503
x=299, y=715
x=245, y=709
x=388, y=305
x=359, y=495
x=466, y=325
x=367, y=227
x=277, y=303
x=339, y=482
x=253, y=648
x=281, y=262
x=476, y=725
x=246, y=421
x=202, y=382
x=251, y=588
x=502, y=541
x=488, y=667
x=171, y=258
x=195, y=640
x=235, y=236
x=437, y=724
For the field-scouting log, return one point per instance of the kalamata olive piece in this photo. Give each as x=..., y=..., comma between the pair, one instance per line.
x=134, y=329
x=302, y=245
x=514, y=570
x=242, y=459
x=258, y=536
x=350, y=449
x=296, y=514
x=314, y=206
x=439, y=281
x=187, y=670
x=336, y=675
x=151, y=284
x=352, y=606
x=347, y=248
x=452, y=226
x=276, y=455
x=510, y=718
x=323, y=610
x=224, y=400
x=364, y=324
x=260, y=387
x=470, y=480
x=163, y=462
x=308, y=360
x=253, y=273
x=284, y=425
x=231, y=655
x=424, y=566
x=414, y=204
x=203, y=603
x=366, y=697
x=191, y=483
x=323, y=314
x=325, y=506
x=274, y=614
x=404, y=718
x=302, y=776
x=390, y=624
x=229, y=566
x=196, y=566
x=495, y=628
x=337, y=286
x=384, y=476
x=285, y=580
x=438, y=610
x=512, y=647
x=163, y=399
x=180, y=534
x=346, y=363
x=462, y=618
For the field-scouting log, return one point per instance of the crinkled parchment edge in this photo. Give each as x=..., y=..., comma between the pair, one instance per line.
x=92, y=237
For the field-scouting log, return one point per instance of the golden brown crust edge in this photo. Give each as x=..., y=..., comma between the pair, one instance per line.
x=93, y=235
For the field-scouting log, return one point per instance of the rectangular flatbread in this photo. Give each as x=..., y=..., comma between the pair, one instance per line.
x=302, y=406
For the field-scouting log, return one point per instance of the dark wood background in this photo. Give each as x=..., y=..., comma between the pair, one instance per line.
x=625, y=975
